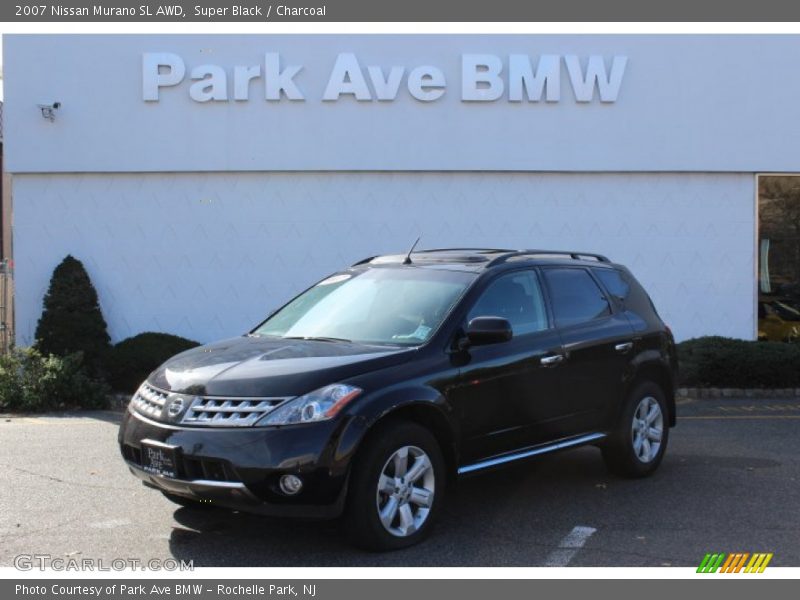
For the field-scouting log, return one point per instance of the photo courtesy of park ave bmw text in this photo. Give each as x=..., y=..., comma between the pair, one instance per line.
x=204, y=180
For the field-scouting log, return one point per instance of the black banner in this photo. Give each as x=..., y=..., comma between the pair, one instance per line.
x=255, y=11
x=388, y=589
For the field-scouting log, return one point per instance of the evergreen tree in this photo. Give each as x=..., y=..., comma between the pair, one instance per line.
x=72, y=320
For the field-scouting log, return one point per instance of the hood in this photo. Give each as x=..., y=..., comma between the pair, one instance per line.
x=270, y=367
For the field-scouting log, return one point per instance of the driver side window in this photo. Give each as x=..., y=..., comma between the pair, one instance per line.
x=516, y=297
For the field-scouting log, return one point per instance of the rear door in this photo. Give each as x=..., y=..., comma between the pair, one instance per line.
x=598, y=341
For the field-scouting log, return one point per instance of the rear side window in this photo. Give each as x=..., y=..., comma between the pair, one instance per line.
x=576, y=298
x=614, y=282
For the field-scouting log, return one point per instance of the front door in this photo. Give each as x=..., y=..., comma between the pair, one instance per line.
x=504, y=392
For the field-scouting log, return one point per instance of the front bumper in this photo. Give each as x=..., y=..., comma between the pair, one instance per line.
x=239, y=468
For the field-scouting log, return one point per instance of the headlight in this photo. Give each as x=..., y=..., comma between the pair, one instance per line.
x=319, y=405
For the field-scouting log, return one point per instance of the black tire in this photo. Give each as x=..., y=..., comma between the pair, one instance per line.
x=188, y=502
x=362, y=522
x=619, y=452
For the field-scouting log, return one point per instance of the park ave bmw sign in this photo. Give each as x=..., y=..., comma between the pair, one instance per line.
x=483, y=78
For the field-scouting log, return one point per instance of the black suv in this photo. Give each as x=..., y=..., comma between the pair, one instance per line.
x=369, y=392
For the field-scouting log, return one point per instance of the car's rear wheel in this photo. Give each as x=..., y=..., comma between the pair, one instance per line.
x=637, y=447
x=396, y=489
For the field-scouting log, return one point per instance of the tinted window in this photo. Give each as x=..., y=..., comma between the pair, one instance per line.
x=517, y=297
x=614, y=282
x=575, y=296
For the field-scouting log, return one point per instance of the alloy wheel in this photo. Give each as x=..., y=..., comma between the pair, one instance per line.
x=405, y=491
x=647, y=429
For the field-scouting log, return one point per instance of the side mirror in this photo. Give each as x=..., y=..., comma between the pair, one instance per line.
x=488, y=330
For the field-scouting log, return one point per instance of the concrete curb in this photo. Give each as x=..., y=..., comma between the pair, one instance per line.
x=699, y=393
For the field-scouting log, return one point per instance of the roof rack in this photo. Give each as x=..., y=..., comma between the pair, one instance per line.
x=481, y=250
x=437, y=250
x=533, y=253
x=484, y=255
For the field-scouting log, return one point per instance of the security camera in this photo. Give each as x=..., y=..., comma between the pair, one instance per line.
x=49, y=110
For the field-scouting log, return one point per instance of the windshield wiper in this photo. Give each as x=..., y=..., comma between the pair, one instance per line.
x=317, y=338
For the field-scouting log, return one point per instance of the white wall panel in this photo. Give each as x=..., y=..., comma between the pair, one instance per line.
x=686, y=103
x=208, y=255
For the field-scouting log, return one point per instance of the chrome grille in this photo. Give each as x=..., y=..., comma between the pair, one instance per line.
x=149, y=400
x=209, y=411
x=229, y=412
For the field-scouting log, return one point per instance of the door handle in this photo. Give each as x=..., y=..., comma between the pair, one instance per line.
x=624, y=347
x=552, y=360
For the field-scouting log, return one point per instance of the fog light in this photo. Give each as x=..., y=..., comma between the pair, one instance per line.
x=291, y=484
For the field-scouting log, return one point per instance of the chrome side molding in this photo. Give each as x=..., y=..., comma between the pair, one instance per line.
x=507, y=458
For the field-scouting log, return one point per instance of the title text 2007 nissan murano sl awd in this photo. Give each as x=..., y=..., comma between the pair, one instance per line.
x=369, y=392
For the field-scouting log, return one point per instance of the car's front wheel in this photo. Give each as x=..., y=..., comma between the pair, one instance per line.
x=638, y=445
x=397, y=487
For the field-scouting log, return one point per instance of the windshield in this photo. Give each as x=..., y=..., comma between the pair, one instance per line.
x=380, y=305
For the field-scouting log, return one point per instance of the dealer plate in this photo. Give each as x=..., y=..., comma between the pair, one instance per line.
x=160, y=459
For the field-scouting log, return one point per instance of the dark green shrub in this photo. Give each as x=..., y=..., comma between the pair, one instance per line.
x=133, y=359
x=32, y=382
x=71, y=320
x=725, y=362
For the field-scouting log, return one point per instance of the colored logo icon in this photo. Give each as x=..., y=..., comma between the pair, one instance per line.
x=738, y=562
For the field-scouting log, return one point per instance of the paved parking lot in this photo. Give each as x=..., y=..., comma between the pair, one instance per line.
x=729, y=483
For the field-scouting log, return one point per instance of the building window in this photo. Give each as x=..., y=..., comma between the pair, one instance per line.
x=779, y=258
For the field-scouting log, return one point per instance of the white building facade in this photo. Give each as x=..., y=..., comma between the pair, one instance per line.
x=204, y=180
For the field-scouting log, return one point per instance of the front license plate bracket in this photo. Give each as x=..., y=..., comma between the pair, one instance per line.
x=160, y=459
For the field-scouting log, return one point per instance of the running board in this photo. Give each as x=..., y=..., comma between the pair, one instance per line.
x=507, y=458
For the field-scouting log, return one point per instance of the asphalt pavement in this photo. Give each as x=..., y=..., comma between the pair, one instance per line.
x=730, y=482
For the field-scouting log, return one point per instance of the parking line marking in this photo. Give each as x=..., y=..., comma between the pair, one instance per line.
x=569, y=546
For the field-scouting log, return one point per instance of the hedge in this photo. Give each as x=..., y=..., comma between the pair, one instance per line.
x=31, y=381
x=72, y=359
x=729, y=363
x=133, y=359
